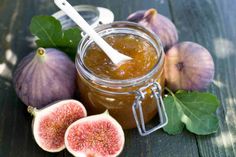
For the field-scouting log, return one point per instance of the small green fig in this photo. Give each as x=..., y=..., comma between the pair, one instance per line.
x=188, y=66
x=44, y=76
x=159, y=24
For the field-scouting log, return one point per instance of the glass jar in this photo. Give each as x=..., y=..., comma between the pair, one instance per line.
x=132, y=102
x=92, y=14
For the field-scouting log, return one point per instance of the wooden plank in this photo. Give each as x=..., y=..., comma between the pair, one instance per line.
x=15, y=123
x=123, y=8
x=158, y=144
x=211, y=23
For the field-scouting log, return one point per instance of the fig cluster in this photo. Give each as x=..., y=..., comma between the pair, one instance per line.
x=48, y=76
x=188, y=65
x=45, y=81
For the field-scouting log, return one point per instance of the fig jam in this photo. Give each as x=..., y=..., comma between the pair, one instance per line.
x=143, y=54
x=102, y=85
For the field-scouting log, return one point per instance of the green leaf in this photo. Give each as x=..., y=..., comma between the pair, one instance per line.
x=71, y=40
x=195, y=110
x=49, y=32
x=174, y=126
x=47, y=29
x=73, y=33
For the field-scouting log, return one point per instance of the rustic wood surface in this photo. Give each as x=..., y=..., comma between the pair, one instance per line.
x=208, y=22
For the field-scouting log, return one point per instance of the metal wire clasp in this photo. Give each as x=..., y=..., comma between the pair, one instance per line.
x=137, y=105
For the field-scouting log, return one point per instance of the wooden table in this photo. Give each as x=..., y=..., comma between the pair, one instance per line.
x=210, y=23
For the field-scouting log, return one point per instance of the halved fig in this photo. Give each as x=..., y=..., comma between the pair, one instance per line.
x=95, y=136
x=50, y=123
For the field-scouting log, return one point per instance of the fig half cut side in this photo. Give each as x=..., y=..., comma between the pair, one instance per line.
x=50, y=123
x=95, y=136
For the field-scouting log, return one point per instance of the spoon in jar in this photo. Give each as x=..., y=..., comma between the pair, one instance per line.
x=116, y=57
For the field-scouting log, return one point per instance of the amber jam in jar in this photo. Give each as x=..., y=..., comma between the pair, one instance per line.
x=143, y=54
x=122, y=90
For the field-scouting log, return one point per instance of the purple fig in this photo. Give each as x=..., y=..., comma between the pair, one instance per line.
x=188, y=66
x=44, y=76
x=159, y=24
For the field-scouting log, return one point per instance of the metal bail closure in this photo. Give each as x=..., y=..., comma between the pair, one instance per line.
x=137, y=105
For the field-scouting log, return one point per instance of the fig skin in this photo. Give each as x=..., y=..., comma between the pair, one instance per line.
x=44, y=76
x=159, y=24
x=98, y=136
x=50, y=123
x=188, y=66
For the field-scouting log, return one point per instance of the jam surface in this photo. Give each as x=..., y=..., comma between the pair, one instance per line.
x=143, y=54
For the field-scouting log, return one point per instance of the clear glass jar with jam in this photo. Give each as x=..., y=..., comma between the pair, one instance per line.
x=132, y=91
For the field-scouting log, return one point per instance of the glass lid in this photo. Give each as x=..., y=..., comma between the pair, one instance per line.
x=93, y=15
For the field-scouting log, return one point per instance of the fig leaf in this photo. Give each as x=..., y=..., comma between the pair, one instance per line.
x=195, y=110
x=174, y=113
x=49, y=33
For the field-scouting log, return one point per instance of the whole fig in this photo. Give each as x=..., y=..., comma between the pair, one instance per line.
x=159, y=24
x=188, y=66
x=44, y=76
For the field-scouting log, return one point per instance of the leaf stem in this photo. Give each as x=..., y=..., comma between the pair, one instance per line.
x=169, y=91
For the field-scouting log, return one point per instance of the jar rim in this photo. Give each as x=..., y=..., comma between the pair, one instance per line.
x=108, y=28
x=67, y=22
x=92, y=14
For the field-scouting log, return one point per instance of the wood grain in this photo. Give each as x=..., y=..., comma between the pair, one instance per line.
x=15, y=123
x=208, y=22
x=211, y=24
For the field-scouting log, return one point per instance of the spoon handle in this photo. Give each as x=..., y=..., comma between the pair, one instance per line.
x=114, y=55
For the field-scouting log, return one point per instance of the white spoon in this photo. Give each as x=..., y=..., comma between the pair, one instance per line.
x=116, y=57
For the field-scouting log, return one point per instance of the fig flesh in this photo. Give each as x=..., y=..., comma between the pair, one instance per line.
x=50, y=123
x=188, y=66
x=44, y=76
x=158, y=23
x=95, y=136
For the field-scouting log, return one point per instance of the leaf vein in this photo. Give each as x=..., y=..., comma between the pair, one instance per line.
x=49, y=38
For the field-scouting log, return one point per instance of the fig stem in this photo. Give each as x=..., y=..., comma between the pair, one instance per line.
x=41, y=51
x=153, y=11
x=32, y=110
x=150, y=14
x=106, y=112
x=40, y=54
